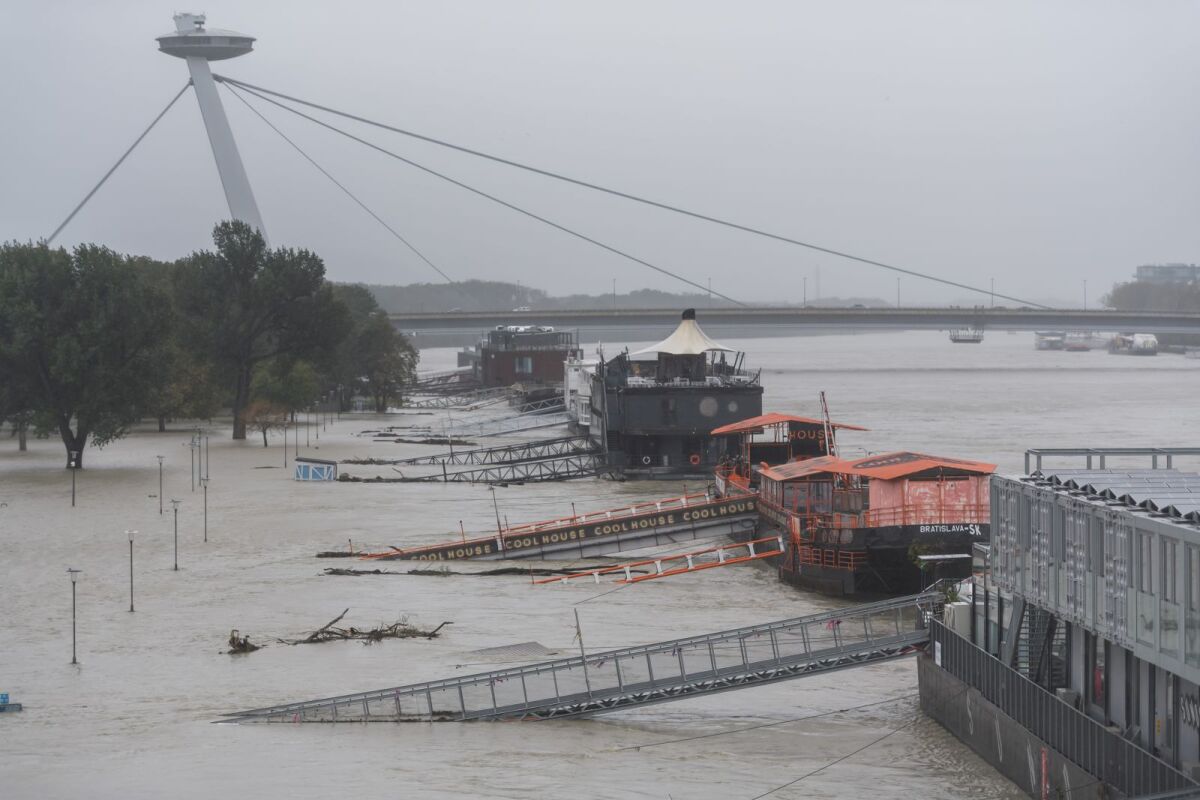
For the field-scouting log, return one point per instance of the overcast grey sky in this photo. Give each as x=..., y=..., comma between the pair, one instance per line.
x=1037, y=143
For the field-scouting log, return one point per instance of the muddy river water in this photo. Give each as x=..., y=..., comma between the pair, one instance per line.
x=134, y=718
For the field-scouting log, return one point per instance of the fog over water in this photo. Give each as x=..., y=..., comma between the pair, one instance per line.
x=1039, y=144
x=134, y=719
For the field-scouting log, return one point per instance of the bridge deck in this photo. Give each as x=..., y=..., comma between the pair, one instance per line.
x=637, y=676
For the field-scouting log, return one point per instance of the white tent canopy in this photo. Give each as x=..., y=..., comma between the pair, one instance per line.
x=687, y=340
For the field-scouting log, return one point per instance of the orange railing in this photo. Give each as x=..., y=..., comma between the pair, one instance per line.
x=927, y=514
x=829, y=557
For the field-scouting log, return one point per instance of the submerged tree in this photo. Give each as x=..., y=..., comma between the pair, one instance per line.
x=385, y=360
x=81, y=332
x=246, y=304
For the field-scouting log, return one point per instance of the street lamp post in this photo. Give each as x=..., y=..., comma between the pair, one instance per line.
x=285, y=445
x=130, y=534
x=175, y=506
x=73, y=573
x=74, y=465
x=496, y=508
x=160, y=463
x=204, y=483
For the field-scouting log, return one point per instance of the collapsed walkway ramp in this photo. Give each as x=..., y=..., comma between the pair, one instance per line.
x=596, y=533
x=638, y=676
x=557, y=459
x=506, y=454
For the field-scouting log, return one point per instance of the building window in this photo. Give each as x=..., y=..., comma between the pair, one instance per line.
x=1099, y=677
x=1193, y=578
x=1167, y=571
x=523, y=365
x=1145, y=568
x=1096, y=544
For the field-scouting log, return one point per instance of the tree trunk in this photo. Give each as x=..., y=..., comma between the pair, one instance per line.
x=162, y=424
x=380, y=403
x=264, y=430
x=72, y=441
x=241, y=398
x=22, y=429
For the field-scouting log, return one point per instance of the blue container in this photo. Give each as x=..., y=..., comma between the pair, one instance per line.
x=3, y=698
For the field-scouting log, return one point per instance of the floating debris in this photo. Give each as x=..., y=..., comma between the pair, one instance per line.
x=401, y=629
x=241, y=644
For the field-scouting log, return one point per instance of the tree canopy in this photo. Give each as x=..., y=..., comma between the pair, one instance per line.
x=245, y=304
x=81, y=334
x=92, y=341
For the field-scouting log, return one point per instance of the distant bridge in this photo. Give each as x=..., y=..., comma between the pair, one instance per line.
x=750, y=319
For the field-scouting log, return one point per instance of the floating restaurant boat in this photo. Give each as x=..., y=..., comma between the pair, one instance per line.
x=652, y=411
x=884, y=524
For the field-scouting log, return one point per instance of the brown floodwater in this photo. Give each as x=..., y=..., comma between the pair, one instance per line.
x=134, y=718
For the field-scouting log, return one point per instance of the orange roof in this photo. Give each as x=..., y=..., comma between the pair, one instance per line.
x=754, y=423
x=885, y=466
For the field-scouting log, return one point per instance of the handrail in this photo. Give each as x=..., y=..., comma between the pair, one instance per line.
x=908, y=514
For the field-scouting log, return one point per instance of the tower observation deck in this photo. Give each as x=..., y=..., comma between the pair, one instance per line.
x=198, y=45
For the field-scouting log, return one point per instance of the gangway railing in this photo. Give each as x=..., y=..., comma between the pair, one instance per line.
x=473, y=396
x=638, y=525
x=636, y=676
x=509, y=424
x=556, y=468
x=664, y=566
x=506, y=454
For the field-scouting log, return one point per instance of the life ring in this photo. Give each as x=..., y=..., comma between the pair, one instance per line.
x=646, y=460
x=694, y=459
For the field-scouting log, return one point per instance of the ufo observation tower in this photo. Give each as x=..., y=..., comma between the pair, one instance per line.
x=197, y=45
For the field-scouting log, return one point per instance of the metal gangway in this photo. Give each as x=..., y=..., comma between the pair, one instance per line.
x=665, y=566
x=510, y=424
x=638, y=676
x=475, y=398
x=579, y=464
x=670, y=520
x=506, y=454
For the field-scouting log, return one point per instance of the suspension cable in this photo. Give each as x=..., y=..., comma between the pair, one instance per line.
x=120, y=161
x=338, y=183
x=635, y=198
x=484, y=194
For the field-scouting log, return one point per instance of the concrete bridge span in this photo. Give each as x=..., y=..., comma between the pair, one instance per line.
x=763, y=320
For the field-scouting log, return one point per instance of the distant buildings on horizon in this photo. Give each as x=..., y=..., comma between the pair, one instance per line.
x=1168, y=273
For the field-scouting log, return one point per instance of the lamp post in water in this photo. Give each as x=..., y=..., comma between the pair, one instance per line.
x=130, y=534
x=496, y=508
x=204, y=483
x=73, y=463
x=72, y=573
x=175, y=506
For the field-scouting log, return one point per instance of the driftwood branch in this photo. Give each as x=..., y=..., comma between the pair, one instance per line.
x=400, y=629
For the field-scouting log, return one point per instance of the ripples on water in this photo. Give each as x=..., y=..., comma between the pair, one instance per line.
x=133, y=720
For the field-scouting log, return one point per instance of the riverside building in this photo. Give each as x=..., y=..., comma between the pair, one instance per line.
x=1079, y=654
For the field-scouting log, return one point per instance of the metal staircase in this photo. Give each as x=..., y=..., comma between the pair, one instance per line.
x=638, y=676
x=1039, y=639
